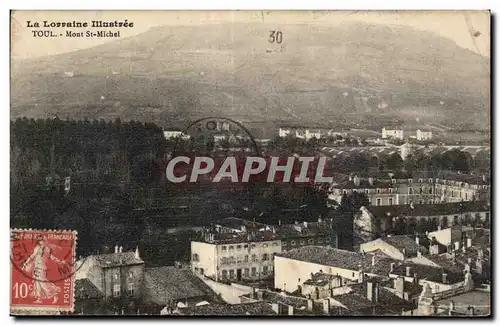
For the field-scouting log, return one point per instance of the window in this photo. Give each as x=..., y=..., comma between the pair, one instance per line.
x=302, y=242
x=431, y=201
x=196, y=257
x=231, y=273
x=245, y=246
x=265, y=257
x=344, y=192
x=367, y=191
x=254, y=271
x=410, y=180
x=131, y=289
x=231, y=248
x=224, y=273
x=253, y=245
x=379, y=201
x=430, y=191
x=310, y=241
x=390, y=201
x=232, y=260
x=421, y=190
x=292, y=242
x=393, y=180
x=275, y=244
x=284, y=243
x=196, y=269
x=247, y=272
x=224, y=248
x=378, y=191
x=320, y=240
x=430, y=180
x=116, y=276
x=116, y=290
x=410, y=191
x=265, y=245
x=238, y=247
x=391, y=190
x=465, y=196
x=254, y=258
x=420, y=201
x=265, y=269
x=246, y=259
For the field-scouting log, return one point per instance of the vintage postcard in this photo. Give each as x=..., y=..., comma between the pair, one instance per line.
x=254, y=163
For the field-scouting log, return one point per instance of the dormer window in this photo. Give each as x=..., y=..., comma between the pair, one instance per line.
x=420, y=180
x=378, y=191
x=393, y=180
x=410, y=180
x=430, y=180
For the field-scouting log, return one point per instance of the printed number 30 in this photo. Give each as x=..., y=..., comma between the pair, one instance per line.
x=276, y=37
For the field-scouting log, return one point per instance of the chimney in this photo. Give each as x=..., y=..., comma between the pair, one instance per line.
x=439, y=227
x=399, y=286
x=310, y=305
x=480, y=253
x=350, y=177
x=137, y=252
x=260, y=295
x=419, y=253
x=320, y=220
x=415, y=278
x=469, y=242
x=484, y=177
x=373, y=260
x=408, y=271
x=370, y=181
x=404, y=253
x=445, y=280
x=253, y=294
x=120, y=249
x=372, y=292
x=457, y=245
x=356, y=181
x=361, y=276
x=392, y=267
x=116, y=249
x=276, y=308
x=305, y=224
x=451, y=307
x=243, y=228
x=479, y=266
x=326, y=306
x=291, y=310
x=417, y=240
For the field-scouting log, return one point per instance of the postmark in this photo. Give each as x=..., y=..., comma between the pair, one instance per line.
x=42, y=270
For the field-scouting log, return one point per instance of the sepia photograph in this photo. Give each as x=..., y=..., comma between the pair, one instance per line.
x=250, y=163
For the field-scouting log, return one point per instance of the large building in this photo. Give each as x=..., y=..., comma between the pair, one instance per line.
x=236, y=249
x=392, y=133
x=235, y=257
x=416, y=190
x=294, y=268
x=377, y=220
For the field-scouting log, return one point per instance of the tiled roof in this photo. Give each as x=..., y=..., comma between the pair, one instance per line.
x=319, y=279
x=118, y=259
x=429, y=209
x=306, y=229
x=85, y=289
x=353, y=301
x=167, y=283
x=411, y=287
x=243, y=309
x=258, y=236
x=405, y=242
x=364, y=184
x=237, y=223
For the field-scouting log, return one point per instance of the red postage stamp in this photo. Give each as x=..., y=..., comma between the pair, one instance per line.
x=42, y=270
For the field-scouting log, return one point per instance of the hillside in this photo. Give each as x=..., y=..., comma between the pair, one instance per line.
x=352, y=73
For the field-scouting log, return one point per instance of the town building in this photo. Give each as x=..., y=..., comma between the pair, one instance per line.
x=173, y=287
x=293, y=268
x=235, y=257
x=308, y=132
x=377, y=220
x=115, y=275
x=399, y=247
x=423, y=135
x=416, y=190
x=172, y=134
x=392, y=133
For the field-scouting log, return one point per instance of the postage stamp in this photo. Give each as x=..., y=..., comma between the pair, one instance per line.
x=42, y=270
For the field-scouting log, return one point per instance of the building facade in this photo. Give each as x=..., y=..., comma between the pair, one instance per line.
x=392, y=133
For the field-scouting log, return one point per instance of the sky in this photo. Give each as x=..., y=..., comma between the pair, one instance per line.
x=455, y=25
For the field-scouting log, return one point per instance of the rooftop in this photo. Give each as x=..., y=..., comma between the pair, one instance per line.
x=85, y=289
x=405, y=242
x=480, y=301
x=172, y=283
x=429, y=209
x=118, y=259
x=243, y=309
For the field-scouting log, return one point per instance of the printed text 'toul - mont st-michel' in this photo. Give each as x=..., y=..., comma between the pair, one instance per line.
x=105, y=25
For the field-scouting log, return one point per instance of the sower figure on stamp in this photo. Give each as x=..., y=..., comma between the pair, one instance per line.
x=36, y=266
